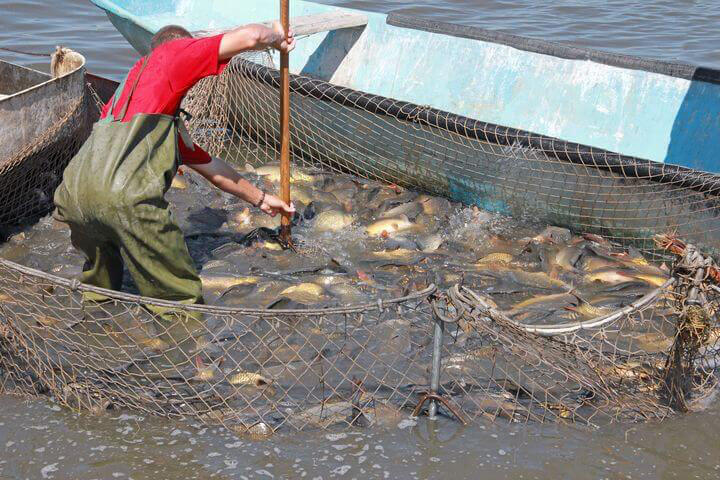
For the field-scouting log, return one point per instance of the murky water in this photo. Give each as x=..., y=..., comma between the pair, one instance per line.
x=39, y=440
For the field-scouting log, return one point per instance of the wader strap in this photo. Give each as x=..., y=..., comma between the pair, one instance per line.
x=132, y=91
x=116, y=95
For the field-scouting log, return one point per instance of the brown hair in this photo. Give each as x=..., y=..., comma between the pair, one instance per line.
x=167, y=34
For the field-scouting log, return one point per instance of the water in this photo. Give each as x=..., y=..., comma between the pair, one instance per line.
x=673, y=30
x=37, y=440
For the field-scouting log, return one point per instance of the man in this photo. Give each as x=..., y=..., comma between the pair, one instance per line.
x=112, y=194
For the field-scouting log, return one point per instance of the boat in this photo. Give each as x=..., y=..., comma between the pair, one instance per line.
x=43, y=121
x=616, y=145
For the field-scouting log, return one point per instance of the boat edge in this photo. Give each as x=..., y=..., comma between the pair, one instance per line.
x=565, y=51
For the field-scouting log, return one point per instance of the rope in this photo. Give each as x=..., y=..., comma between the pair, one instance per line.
x=127, y=297
x=21, y=52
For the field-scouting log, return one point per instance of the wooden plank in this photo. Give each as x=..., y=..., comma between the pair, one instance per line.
x=325, y=22
x=310, y=24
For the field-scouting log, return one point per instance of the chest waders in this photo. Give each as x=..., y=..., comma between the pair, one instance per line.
x=113, y=198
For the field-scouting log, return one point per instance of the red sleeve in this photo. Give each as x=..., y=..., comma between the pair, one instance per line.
x=193, y=157
x=193, y=60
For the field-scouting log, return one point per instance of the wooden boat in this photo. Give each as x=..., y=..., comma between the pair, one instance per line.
x=43, y=121
x=617, y=145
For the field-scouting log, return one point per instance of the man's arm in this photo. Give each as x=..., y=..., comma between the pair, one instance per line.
x=227, y=179
x=255, y=37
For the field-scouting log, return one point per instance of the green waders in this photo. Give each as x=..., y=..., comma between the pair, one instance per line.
x=113, y=197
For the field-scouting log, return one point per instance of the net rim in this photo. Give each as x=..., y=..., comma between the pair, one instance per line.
x=75, y=285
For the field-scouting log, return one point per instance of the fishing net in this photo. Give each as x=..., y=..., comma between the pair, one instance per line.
x=498, y=168
x=453, y=352
x=257, y=371
x=28, y=180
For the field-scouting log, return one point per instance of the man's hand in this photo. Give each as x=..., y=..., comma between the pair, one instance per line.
x=256, y=37
x=283, y=43
x=272, y=205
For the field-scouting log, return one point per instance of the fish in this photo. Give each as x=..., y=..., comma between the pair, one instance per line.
x=389, y=226
x=556, y=235
x=302, y=194
x=655, y=280
x=563, y=259
x=560, y=409
x=499, y=257
x=381, y=414
x=592, y=263
x=494, y=405
x=306, y=293
x=558, y=299
x=401, y=242
x=214, y=281
x=631, y=370
x=257, y=432
x=588, y=310
x=410, y=210
x=456, y=360
x=344, y=194
x=157, y=345
x=48, y=320
x=539, y=280
x=243, y=217
x=400, y=254
x=274, y=246
x=348, y=294
x=429, y=243
x=332, y=221
x=272, y=173
x=205, y=372
x=329, y=413
x=434, y=205
x=654, y=342
x=611, y=276
x=179, y=183
x=247, y=378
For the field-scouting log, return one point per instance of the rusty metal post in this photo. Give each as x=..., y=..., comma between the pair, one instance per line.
x=285, y=231
x=436, y=364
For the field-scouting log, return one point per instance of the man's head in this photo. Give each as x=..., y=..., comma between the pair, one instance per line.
x=167, y=34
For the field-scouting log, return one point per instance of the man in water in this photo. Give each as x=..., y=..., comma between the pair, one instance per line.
x=112, y=194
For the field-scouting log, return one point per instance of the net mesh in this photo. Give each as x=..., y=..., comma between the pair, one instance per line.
x=256, y=371
x=28, y=180
x=500, y=169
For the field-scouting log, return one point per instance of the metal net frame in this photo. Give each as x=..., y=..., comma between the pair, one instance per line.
x=257, y=371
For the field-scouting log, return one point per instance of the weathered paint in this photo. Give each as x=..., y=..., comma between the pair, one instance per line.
x=632, y=112
x=36, y=104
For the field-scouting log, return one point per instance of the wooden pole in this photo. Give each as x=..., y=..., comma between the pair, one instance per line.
x=285, y=231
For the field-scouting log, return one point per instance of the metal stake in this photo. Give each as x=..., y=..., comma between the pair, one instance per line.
x=436, y=364
x=433, y=396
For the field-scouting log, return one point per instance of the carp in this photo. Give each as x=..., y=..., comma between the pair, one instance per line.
x=332, y=221
x=389, y=226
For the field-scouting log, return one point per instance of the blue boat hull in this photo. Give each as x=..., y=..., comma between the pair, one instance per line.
x=663, y=112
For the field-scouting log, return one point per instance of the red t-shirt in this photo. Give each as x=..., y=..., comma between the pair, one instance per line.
x=174, y=68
